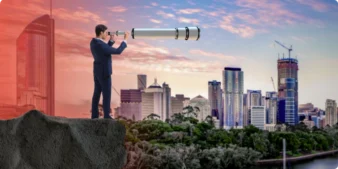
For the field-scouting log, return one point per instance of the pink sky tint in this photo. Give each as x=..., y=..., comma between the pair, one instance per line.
x=155, y=21
x=242, y=30
x=213, y=54
x=315, y=4
x=118, y=9
x=188, y=20
x=14, y=16
x=268, y=12
x=80, y=15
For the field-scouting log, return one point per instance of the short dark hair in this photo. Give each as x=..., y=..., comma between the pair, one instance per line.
x=100, y=28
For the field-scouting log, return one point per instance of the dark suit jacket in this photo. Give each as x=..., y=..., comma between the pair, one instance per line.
x=102, y=56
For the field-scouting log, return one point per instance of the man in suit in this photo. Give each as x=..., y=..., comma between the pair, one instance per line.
x=102, y=66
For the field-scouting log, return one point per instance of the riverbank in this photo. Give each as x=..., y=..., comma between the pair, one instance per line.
x=296, y=159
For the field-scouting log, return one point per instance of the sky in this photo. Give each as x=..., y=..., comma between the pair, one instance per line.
x=236, y=33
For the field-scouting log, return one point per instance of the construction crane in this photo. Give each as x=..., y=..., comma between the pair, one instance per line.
x=289, y=49
x=273, y=84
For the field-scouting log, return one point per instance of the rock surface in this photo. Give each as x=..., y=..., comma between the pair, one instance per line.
x=38, y=141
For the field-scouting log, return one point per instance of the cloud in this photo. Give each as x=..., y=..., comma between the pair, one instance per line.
x=242, y=30
x=69, y=43
x=165, y=15
x=188, y=20
x=154, y=4
x=117, y=9
x=189, y=11
x=155, y=21
x=121, y=20
x=266, y=12
x=316, y=5
x=255, y=16
x=212, y=54
x=80, y=15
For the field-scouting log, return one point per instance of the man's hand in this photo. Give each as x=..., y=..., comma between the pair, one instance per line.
x=126, y=35
x=112, y=37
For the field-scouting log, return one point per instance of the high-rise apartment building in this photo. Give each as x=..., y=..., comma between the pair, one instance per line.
x=233, y=86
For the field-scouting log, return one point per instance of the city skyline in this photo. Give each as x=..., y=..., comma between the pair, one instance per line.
x=246, y=31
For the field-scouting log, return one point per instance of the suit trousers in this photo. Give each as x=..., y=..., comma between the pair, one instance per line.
x=101, y=85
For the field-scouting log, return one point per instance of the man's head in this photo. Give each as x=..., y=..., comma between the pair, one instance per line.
x=101, y=31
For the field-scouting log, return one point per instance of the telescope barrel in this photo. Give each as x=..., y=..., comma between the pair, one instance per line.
x=187, y=33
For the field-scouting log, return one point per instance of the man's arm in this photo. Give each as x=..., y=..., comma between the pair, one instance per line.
x=111, y=42
x=108, y=50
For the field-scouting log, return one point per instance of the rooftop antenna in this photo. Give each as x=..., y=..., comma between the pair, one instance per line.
x=51, y=7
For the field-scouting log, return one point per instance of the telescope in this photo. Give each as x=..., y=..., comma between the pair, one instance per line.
x=186, y=33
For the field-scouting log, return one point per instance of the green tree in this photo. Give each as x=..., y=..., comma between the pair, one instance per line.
x=218, y=137
x=209, y=120
x=152, y=116
x=151, y=129
x=260, y=143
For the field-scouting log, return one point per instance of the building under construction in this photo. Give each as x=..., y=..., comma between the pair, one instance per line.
x=288, y=88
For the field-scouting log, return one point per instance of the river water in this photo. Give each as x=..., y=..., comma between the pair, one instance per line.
x=319, y=163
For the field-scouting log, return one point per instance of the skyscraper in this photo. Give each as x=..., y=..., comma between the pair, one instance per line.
x=215, y=98
x=141, y=82
x=330, y=112
x=36, y=65
x=233, y=86
x=288, y=68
